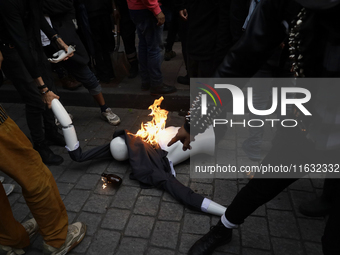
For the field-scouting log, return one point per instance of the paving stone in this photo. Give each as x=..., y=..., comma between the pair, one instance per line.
x=98, y=166
x=20, y=211
x=249, y=251
x=118, y=167
x=125, y=197
x=165, y=234
x=311, y=229
x=97, y=204
x=171, y=211
x=203, y=189
x=283, y=224
x=128, y=182
x=139, y=226
x=182, y=169
x=13, y=197
x=88, y=181
x=71, y=176
x=152, y=192
x=104, y=242
x=132, y=246
x=75, y=200
x=255, y=233
x=115, y=219
x=225, y=191
x=280, y=202
x=147, y=205
x=285, y=246
x=157, y=251
x=91, y=220
x=64, y=188
x=57, y=171
x=183, y=178
x=196, y=224
x=313, y=248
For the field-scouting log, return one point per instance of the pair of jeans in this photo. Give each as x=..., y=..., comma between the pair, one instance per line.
x=21, y=162
x=150, y=46
x=39, y=118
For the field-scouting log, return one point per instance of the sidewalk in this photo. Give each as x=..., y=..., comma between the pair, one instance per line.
x=134, y=221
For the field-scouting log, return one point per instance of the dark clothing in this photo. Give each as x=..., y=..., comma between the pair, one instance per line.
x=20, y=24
x=98, y=8
x=24, y=60
x=149, y=166
x=62, y=14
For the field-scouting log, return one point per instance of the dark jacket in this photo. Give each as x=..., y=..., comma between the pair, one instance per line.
x=20, y=24
x=62, y=14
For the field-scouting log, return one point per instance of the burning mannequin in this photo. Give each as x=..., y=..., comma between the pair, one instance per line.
x=151, y=165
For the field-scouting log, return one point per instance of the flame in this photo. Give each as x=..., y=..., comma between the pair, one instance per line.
x=104, y=184
x=149, y=131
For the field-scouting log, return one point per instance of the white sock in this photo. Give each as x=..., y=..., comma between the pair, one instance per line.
x=227, y=223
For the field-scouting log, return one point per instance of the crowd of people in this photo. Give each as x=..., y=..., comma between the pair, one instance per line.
x=219, y=38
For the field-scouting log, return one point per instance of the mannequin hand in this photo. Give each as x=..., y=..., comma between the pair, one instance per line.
x=62, y=54
x=48, y=97
x=183, y=136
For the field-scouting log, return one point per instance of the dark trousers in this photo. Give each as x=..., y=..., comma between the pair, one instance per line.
x=39, y=118
x=103, y=44
x=289, y=147
x=127, y=28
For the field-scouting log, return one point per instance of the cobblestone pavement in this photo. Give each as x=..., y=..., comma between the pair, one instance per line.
x=134, y=221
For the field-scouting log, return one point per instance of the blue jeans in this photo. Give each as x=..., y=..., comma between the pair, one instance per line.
x=150, y=46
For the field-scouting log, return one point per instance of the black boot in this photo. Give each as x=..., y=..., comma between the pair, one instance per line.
x=55, y=138
x=217, y=236
x=47, y=155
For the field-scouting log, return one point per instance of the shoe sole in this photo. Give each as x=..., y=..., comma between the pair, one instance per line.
x=80, y=238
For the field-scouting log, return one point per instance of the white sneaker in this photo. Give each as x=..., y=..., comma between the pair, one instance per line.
x=75, y=234
x=31, y=227
x=8, y=188
x=112, y=118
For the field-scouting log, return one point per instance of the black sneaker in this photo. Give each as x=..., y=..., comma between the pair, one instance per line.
x=163, y=89
x=47, y=155
x=185, y=80
x=217, y=236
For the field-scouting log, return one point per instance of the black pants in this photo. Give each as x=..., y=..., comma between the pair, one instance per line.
x=103, y=44
x=127, y=28
x=289, y=147
x=39, y=118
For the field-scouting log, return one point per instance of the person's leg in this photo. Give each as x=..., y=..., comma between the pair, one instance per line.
x=128, y=33
x=15, y=70
x=12, y=233
x=83, y=74
x=19, y=161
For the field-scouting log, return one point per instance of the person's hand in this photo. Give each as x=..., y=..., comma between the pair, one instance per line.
x=1, y=59
x=160, y=18
x=183, y=14
x=48, y=97
x=63, y=46
x=183, y=136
